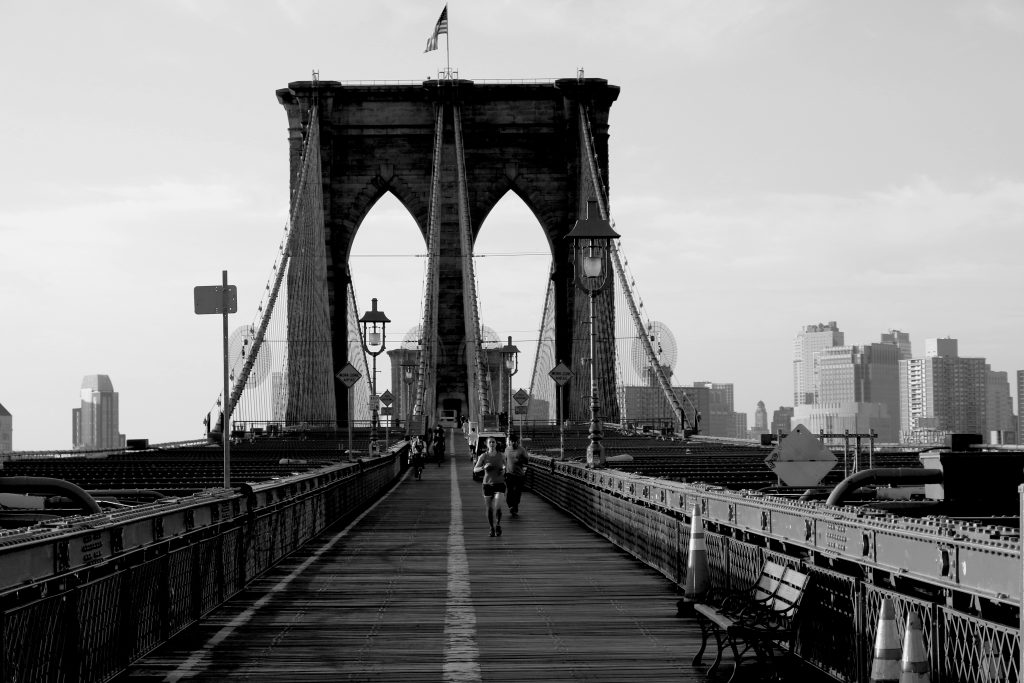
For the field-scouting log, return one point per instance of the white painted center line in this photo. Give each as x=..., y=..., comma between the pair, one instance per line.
x=460, y=652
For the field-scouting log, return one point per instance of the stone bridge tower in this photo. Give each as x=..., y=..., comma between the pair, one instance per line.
x=521, y=138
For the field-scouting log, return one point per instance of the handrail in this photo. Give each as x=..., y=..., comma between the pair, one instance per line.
x=488, y=81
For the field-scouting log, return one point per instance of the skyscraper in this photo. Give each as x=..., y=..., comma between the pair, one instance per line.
x=95, y=423
x=942, y=393
x=999, y=409
x=761, y=417
x=1020, y=412
x=901, y=340
x=6, y=430
x=858, y=390
x=809, y=341
x=720, y=418
x=782, y=418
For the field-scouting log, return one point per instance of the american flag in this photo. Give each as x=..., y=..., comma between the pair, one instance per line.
x=440, y=27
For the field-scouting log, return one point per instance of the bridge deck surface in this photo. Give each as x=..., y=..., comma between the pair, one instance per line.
x=416, y=590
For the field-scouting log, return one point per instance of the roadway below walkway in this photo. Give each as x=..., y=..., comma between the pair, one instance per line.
x=416, y=590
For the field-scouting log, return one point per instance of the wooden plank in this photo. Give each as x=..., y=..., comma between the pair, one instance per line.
x=548, y=600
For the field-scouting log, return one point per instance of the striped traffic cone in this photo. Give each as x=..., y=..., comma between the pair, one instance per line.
x=886, y=666
x=697, y=559
x=914, y=665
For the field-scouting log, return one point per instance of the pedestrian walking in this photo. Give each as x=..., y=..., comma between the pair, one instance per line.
x=516, y=460
x=417, y=453
x=439, y=444
x=492, y=464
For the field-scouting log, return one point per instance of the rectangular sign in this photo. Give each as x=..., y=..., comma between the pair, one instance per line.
x=520, y=410
x=387, y=410
x=214, y=299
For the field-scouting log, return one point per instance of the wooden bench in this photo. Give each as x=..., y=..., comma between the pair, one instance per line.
x=761, y=619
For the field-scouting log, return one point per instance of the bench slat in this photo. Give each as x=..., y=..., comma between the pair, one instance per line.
x=765, y=614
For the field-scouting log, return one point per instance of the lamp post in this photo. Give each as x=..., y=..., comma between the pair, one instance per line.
x=510, y=355
x=373, y=323
x=408, y=374
x=591, y=240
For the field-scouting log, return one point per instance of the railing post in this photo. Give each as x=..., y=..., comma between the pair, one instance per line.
x=71, y=661
x=164, y=580
x=860, y=626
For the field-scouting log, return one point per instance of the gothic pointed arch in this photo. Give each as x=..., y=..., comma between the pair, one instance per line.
x=519, y=137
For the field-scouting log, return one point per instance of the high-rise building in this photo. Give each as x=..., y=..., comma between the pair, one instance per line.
x=999, y=409
x=6, y=430
x=811, y=340
x=739, y=427
x=1020, y=410
x=901, y=340
x=95, y=424
x=858, y=391
x=942, y=393
x=720, y=419
x=760, y=422
x=648, y=405
x=782, y=418
x=761, y=417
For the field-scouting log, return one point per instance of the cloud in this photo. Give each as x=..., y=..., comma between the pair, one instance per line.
x=890, y=226
x=1007, y=15
x=98, y=228
x=700, y=29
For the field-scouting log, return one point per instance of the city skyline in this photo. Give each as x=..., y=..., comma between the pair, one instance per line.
x=772, y=165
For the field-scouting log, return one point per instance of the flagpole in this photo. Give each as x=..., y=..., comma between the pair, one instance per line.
x=448, y=42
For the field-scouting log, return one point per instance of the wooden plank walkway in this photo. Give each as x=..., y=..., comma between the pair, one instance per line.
x=416, y=590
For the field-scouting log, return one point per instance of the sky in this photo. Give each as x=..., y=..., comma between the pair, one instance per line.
x=773, y=164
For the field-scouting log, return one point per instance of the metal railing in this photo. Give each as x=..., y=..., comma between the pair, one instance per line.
x=841, y=549
x=117, y=587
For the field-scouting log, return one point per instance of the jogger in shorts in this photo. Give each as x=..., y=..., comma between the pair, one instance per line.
x=492, y=464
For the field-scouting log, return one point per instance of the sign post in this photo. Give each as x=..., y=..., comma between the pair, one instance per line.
x=561, y=374
x=521, y=398
x=387, y=398
x=221, y=299
x=349, y=376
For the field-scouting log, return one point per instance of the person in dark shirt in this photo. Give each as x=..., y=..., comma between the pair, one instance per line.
x=439, y=444
x=417, y=453
x=516, y=459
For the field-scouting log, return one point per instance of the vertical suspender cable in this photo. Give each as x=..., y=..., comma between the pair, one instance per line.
x=428, y=360
x=470, y=301
x=595, y=174
x=311, y=146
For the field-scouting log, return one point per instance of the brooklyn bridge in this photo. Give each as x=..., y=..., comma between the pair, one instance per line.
x=293, y=543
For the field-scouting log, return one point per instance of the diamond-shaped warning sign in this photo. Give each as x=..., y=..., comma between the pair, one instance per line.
x=349, y=375
x=561, y=374
x=801, y=459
